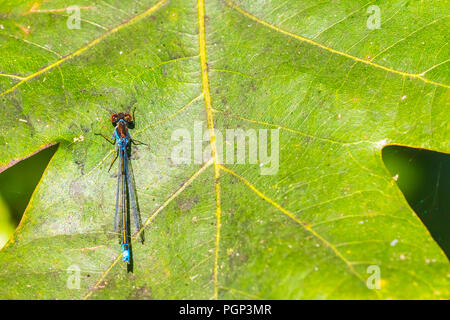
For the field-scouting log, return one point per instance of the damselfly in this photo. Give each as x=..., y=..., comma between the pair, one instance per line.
x=126, y=192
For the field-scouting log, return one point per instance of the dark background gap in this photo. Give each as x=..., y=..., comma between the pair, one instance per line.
x=424, y=179
x=18, y=182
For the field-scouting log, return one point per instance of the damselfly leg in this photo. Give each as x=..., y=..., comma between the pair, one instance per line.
x=104, y=137
x=137, y=142
x=114, y=159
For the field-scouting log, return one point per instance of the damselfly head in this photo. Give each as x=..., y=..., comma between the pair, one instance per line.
x=116, y=117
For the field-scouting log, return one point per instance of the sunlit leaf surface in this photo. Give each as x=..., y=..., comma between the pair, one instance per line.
x=337, y=90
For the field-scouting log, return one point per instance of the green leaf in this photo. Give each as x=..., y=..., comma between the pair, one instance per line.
x=336, y=90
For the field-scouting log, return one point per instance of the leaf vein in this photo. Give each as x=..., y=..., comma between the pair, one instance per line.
x=344, y=54
x=86, y=47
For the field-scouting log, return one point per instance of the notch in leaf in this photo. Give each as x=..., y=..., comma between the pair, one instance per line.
x=17, y=184
x=424, y=178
